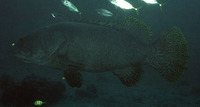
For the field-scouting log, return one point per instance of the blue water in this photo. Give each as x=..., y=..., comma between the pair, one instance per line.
x=21, y=17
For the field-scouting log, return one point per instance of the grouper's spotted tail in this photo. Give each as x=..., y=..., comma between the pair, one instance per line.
x=170, y=55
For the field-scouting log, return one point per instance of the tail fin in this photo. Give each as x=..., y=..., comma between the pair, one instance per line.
x=161, y=5
x=170, y=55
x=137, y=10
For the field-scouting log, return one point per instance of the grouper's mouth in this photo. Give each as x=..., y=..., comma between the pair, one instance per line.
x=21, y=53
x=27, y=57
x=20, y=56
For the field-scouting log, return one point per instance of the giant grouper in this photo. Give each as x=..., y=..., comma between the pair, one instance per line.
x=100, y=46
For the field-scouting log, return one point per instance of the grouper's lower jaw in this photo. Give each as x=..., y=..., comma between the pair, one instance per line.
x=27, y=59
x=15, y=55
x=21, y=58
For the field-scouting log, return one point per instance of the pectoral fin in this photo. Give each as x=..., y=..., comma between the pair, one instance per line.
x=73, y=77
x=129, y=76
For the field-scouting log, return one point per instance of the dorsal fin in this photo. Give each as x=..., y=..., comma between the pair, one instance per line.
x=130, y=26
x=97, y=22
x=138, y=28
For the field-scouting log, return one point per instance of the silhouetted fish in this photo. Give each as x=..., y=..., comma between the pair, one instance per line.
x=101, y=46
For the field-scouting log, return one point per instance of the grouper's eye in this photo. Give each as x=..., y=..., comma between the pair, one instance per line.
x=22, y=44
x=22, y=40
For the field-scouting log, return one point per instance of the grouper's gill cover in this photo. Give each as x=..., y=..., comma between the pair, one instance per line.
x=38, y=46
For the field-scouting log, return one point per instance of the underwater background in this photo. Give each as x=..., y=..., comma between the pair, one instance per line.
x=21, y=17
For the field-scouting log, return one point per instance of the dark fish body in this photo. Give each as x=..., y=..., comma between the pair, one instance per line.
x=98, y=47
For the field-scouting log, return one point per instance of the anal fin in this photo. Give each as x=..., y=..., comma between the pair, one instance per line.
x=73, y=77
x=129, y=76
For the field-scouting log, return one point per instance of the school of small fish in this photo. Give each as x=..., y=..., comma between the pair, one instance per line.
x=123, y=4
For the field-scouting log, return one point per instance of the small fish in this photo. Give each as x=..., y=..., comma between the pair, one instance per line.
x=13, y=44
x=38, y=103
x=71, y=6
x=124, y=5
x=151, y=1
x=154, y=2
x=63, y=78
x=53, y=15
x=104, y=12
x=58, y=16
